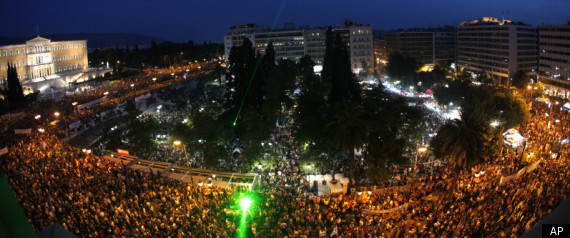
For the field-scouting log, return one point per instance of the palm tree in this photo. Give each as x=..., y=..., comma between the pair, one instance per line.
x=462, y=141
x=348, y=130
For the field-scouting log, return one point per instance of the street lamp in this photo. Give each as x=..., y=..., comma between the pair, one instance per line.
x=37, y=117
x=76, y=109
x=177, y=143
x=420, y=150
x=64, y=120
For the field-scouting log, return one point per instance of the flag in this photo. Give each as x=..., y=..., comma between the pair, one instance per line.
x=334, y=232
x=323, y=233
x=4, y=151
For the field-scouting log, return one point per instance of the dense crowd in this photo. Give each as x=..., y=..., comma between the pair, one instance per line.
x=93, y=197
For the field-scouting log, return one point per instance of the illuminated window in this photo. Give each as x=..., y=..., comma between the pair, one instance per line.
x=17, y=52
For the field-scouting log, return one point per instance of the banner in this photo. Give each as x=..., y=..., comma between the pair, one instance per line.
x=12, y=115
x=377, y=212
x=103, y=99
x=504, y=180
x=142, y=97
x=74, y=124
x=123, y=152
x=4, y=151
x=22, y=131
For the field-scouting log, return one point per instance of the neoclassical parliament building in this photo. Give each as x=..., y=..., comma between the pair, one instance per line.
x=43, y=64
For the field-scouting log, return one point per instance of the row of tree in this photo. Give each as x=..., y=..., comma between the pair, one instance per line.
x=332, y=117
x=166, y=54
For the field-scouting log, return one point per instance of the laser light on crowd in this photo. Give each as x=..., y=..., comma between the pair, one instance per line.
x=245, y=203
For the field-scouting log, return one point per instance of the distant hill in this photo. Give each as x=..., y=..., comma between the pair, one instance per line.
x=94, y=40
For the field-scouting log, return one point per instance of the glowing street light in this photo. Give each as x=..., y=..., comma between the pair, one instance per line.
x=41, y=130
x=420, y=150
x=106, y=93
x=56, y=114
x=38, y=116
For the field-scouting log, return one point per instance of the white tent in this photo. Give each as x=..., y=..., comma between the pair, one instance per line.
x=344, y=182
x=336, y=187
x=328, y=177
x=513, y=138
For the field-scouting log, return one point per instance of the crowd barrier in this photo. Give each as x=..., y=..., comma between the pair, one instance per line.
x=220, y=179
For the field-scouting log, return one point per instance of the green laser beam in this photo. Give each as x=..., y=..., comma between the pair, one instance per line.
x=247, y=90
x=259, y=61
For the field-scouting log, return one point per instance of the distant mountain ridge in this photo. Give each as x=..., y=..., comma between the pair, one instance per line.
x=94, y=40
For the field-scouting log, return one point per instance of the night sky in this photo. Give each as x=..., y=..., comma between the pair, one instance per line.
x=200, y=20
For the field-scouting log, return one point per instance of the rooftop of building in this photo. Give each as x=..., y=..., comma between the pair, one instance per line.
x=425, y=29
x=491, y=21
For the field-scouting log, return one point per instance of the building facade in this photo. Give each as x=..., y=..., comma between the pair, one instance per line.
x=554, y=58
x=427, y=46
x=40, y=59
x=293, y=43
x=380, y=49
x=500, y=48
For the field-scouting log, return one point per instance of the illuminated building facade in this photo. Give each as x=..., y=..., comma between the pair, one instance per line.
x=500, y=48
x=554, y=58
x=41, y=60
x=294, y=43
x=427, y=46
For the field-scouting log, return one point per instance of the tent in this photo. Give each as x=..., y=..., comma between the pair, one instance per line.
x=336, y=187
x=513, y=138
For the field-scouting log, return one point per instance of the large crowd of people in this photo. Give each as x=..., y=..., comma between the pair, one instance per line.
x=91, y=196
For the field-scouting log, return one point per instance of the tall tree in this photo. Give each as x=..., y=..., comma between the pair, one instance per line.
x=348, y=130
x=337, y=72
x=521, y=79
x=402, y=68
x=241, y=68
x=15, y=92
x=461, y=142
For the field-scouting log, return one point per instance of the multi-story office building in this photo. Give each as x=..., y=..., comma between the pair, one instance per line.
x=554, y=58
x=293, y=43
x=315, y=44
x=380, y=50
x=41, y=60
x=500, y=48
x=427, y=46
